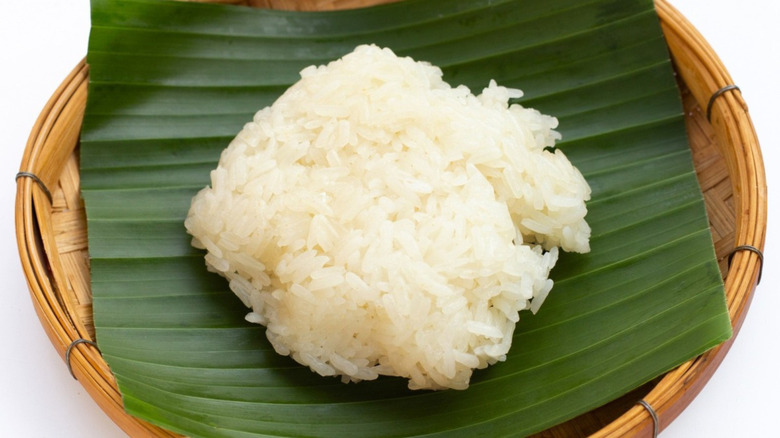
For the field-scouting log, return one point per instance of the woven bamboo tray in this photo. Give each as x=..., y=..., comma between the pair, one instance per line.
x=52, y=238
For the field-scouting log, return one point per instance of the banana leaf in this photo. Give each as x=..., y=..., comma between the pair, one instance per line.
x=172, y=82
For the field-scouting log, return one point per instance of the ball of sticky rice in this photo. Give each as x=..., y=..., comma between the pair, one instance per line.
x=378, y=221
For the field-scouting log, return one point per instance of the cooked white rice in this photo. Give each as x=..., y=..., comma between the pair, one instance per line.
x=380, y=222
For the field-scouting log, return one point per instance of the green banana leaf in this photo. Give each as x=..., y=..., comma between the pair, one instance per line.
x=172, y=82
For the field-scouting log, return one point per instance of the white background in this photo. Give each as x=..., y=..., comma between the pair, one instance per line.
x=43, y=40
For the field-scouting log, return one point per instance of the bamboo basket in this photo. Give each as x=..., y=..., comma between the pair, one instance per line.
x=52, y=238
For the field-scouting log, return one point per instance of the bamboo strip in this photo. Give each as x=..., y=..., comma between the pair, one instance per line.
x=51, y=144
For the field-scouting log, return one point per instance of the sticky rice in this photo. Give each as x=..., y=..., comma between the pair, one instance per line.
x=378, y=221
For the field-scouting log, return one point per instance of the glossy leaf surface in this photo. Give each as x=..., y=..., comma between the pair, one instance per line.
x=172, y=82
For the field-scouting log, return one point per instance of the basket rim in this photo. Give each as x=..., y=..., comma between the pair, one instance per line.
x=696, y=63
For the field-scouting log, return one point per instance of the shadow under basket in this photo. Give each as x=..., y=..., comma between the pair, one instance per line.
x=52, y=237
